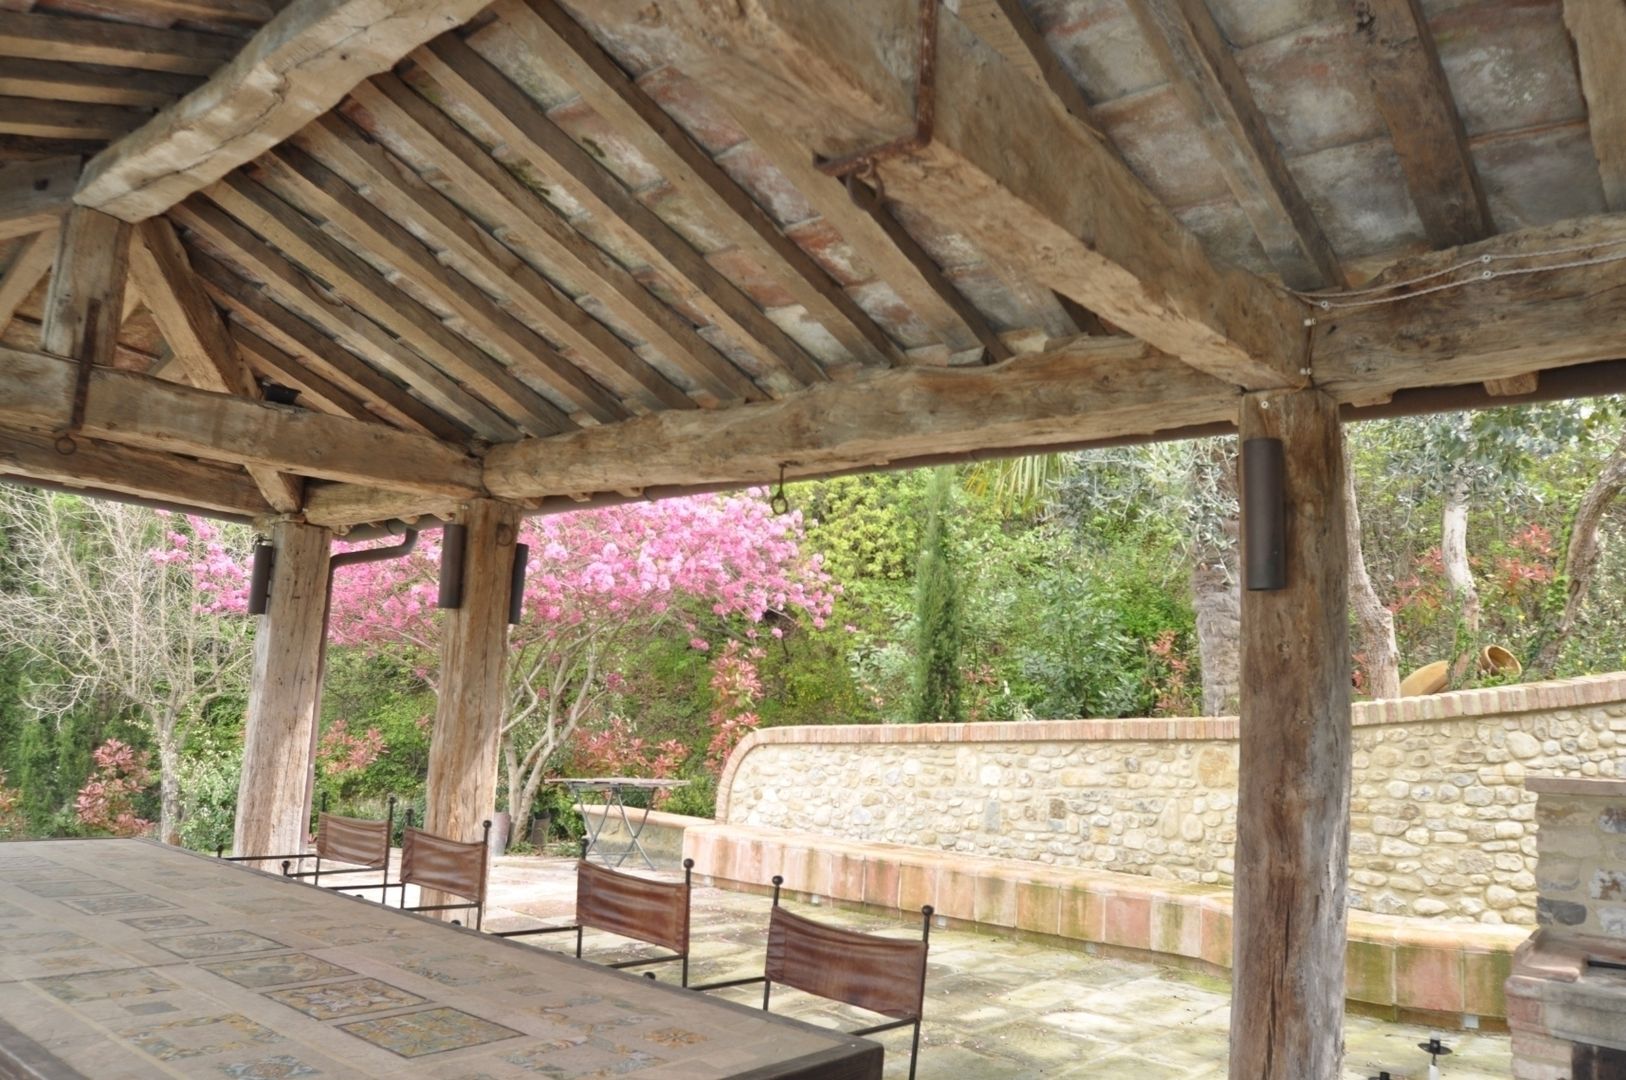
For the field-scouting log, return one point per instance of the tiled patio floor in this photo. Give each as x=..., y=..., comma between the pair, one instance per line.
x=998, y=1008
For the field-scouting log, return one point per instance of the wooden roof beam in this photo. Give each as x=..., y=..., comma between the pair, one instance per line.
x=28, y=268
x=1007, y=166
x=470, y=80
x=115, y=44
x=549, y=31
x=1599, y=30
x=1415, y=100
x=1210, y=85
x=142, y=411
x=128, y=470
x=35, y=194
x=267, y=361
x=54, y=80
x=526, y=223
x=84, y=305
x=197, y=335
x=295, y=68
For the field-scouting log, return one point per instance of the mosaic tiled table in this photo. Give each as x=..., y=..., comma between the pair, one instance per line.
x=126, y=959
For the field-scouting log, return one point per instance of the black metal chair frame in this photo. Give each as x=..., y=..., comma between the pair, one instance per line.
x=316, y=875
x=767, y=986
x=478, y=905
x=688, y=888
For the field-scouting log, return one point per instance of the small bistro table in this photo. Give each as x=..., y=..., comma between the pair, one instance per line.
x=130, y=959
x=612, y=788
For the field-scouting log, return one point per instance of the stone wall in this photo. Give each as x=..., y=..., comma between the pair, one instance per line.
x=1441, y=824
x=1582, y=867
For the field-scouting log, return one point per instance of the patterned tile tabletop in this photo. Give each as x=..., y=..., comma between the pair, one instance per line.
x=127, y=959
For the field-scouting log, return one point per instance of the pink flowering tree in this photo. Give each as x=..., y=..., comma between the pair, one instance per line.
x=107, y=801
x=724, y=567
x=121, y=605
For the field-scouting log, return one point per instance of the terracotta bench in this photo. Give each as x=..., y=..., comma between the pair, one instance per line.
x=1449, y=972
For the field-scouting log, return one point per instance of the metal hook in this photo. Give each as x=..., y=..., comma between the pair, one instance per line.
x=779, y=502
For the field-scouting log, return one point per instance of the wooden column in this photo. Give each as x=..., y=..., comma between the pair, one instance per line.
x=272, y=797
x=1287, y=1008
x=462, y=788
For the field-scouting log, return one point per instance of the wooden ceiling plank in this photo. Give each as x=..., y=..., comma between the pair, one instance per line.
x=67, y=119
x=194, y=331
x=1412, y=94
x=366, y=290
x=518, y=216
x=297, y=67
x=35, y=194
x=469, y=79
x=53, y=80
x=84, y=305
x=255, y=308
x=1208, y=81
x=1599, y=28
x=1007, y=166
x=305, y=182
x=117, y=44
x=28, y=268
x=291, y=288
x=139, y=410
x=548, y=30
x=128, y=470
x=245, y=12
x=282, y=367
x=473, y=252
x=1095, y=387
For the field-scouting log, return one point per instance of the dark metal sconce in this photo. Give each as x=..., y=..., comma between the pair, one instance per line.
x=452, y=541
x=516, y=584
x=1264, y=514
x=259, y=578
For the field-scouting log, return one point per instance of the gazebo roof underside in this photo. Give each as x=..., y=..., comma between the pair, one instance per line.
x=585, y=251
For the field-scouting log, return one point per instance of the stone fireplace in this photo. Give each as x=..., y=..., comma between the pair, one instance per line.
x=1566, y=997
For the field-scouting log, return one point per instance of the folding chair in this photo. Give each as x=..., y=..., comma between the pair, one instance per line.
x=434, y=862
x=656, y=912
x=882, y=975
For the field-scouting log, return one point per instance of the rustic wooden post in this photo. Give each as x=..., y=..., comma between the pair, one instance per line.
x=462, y=787
x=1287, y=1007
x=273, y=795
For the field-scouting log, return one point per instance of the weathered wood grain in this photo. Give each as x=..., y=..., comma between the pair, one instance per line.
x=66, y=119
x=35, y=194
x=1210, y=85
x=1008, y=167
x=54, y=80
x=279, y=735
x=84, y=305
x=116, y=44
x=1599, y=28
x=28, y=268
x=296, y=67
x=1292, y=833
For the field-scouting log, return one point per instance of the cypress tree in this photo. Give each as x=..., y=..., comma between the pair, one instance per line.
x=937, y=614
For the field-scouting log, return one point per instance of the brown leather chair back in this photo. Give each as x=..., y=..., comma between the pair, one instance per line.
x=353, y=840
x=635, y=907
x=434, y=862
x=884, y=975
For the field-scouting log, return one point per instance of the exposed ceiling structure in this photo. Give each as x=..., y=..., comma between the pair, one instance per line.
x=570, y=251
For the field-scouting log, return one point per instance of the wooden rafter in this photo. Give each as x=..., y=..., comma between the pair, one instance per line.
x=306, y=183
x=197, y=335
x=66, y=119
x=1210, y=85
x=116, y=44
x=35, y=194
x=1007, y=167
x=469, y=79
x=298, y=66
x=1415, y=100
x=139, y=410
x=282, y=367
x=28, y=268
x=244, y=12
x=1598, y=30
x=287, y=326
x=53, y=80
x=523, y=220
x=473, y=252
x=549, y=31
x=84, y=306
x=128, y=470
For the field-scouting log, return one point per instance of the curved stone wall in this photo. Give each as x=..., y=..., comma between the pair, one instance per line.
x=1441, y=825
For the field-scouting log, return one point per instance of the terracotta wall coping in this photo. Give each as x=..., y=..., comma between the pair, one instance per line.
x=1581, y=692
x=1602, y=787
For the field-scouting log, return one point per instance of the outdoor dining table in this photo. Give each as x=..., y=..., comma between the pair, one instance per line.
x=128, y=958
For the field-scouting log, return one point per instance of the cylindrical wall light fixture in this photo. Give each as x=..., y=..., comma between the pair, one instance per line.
x=1264, y=514
x=452, y=540
x=516, y=584
x=259, y=577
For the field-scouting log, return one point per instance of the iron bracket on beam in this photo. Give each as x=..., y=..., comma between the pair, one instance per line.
x=925, y=109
